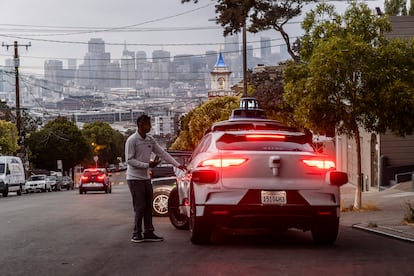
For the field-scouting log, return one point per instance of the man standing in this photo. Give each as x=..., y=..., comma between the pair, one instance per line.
x=138, y=149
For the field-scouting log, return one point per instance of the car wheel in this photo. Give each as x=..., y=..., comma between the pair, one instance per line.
x=80, y=191
x=177, y=219
x=6, y=191
x=19, y=191
x=325, y=231
x=160, y=203
x=199, y=229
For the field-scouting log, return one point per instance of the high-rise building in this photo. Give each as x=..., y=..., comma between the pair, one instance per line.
x=92, y=73
x=141, y=64
x=231, y=45
x=128, y=75
x=265, y=50
x=160, y=68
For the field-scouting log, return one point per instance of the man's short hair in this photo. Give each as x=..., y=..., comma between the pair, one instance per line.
x=143, y=118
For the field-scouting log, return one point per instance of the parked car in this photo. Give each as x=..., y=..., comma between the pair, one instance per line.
x=12, y=177
x=54, y=184
x=162, y=187
x=65, y=182
x=112, y=168
x=95, y=179
x=255, y=173
x=37, y=183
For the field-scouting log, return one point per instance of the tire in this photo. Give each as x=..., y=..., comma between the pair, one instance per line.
x=19, y=191
x=160, y=203
x=177, y=219
x=199, y=228
x=80, y=191
x=6, y=191
x=325, y=231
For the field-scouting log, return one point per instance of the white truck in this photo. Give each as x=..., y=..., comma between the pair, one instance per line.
x=12, y=177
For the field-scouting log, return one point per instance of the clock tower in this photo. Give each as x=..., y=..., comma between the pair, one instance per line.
x=220, y=79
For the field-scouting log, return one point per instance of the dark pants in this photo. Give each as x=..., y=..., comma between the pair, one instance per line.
x=142, y=193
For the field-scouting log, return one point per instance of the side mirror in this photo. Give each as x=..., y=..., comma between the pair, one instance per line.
x=336, y=178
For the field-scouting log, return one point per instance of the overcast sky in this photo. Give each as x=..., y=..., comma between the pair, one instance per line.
x=60, y=29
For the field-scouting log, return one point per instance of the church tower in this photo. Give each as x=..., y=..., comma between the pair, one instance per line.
x=220, y=79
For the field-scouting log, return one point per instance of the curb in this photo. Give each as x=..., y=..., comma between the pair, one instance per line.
x=386, y=231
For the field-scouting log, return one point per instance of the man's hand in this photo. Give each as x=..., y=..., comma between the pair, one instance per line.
x=153, y=164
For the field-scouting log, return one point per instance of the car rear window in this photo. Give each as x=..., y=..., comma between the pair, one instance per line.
x=263, y=142
x=37, y=177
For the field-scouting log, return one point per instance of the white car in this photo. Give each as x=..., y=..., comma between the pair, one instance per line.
x=256, y=173
x=37, y=182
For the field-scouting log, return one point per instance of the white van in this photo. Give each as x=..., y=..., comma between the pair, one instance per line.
x=12, y=176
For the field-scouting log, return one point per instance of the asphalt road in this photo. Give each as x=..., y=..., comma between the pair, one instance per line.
x=65, y=233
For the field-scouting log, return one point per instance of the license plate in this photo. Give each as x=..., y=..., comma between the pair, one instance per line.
x=274, y=197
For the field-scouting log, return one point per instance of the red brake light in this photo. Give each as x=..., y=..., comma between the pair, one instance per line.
x=84, y=178
x=101, y=177
x=268, y=136
x=222, y=162
x=320, y=163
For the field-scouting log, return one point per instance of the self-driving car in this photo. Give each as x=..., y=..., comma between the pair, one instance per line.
x=249, y=172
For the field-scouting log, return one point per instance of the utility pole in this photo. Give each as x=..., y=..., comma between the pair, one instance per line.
x=16, y=68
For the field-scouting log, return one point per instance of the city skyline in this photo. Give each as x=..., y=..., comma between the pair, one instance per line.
x=60, y=30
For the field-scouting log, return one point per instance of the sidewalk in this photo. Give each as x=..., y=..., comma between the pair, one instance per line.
x=388, y=219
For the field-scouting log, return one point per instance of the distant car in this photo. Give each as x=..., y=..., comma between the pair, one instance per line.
x=162, y=187
x=65, y=182
x=37, y=183
x=251, y=173
x=95, y=179
x=112, y=168
x=53, y=182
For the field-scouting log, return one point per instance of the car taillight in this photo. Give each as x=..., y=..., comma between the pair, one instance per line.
x=267, y=136
x=320, y=163
x=222, y=162
x=205, y=177
x=84, y=178
x=101, y=177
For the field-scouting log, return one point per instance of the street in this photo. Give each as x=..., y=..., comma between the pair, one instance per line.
x=65, y=233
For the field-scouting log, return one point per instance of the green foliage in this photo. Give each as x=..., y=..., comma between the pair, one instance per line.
x=196, y=123
x=106, y=143
x=60, y=139
x=267, y=87
x=8, y=138
x=396, y=7
x=353, y=76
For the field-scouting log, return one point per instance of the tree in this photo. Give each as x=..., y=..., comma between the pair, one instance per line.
x=197, y=122
x=396, y=7
x=106, y=143
x=267, y=87
x=60, y=139
x=352, y=77
x=258, y=15
x=8, y=138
